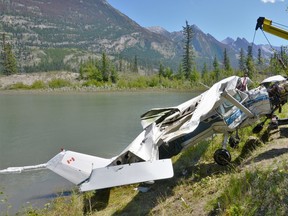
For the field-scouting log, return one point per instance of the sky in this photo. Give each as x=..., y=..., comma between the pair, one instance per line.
x=220, y=18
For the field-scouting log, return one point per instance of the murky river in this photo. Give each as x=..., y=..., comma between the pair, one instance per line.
x=35, y=126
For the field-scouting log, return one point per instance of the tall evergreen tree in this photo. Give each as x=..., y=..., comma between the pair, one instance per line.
x=242, y=61
x=275, y=66
x=161, y=70
x=205, y=75
x=105, y=68
x=216, y=68
x=259, y=57
x=187, y=62
x=8, y=60
x=204, y=69
x=135, y=65
x=226, y=61
x=250, y=63
x=114, y=75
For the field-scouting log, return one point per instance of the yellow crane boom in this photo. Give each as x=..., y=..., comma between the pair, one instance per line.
x=267, y=26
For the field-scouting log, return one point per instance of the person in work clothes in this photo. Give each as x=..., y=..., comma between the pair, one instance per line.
x=244, y=82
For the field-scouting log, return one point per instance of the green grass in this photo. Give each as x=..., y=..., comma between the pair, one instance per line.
x=256, y=192
x=59, y=83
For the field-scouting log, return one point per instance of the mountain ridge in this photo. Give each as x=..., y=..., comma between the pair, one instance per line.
x=96, y=27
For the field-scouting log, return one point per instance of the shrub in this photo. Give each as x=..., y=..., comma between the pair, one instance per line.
x=18, y=85
x=38, y=85
x=59, y=83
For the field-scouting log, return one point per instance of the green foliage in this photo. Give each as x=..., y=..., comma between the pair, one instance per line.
x=59, y=83
x=250, y=63
x=165, y=72
x=257, y=192
x=38, y=85
x=53, y=60
x=216, y=69
x=71, y=205
x=188, y=51
x=135, y=65
x=19, y=85
x=226, y=61
x=8, y=60
x=242, y=61
x=99, y=70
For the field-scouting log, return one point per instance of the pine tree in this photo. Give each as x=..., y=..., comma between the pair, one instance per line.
x=226, y=61
x=168, y=73
x=8, y=59
x=216, y=69
x=135, y=65
x=242, y=61
x=204, y=69
x=120, y=63
x=161, y=70
x=250, y=63
x=105, y=68
x=205, y=75
x=114, y=75
x=188, y=52
x=259, y=57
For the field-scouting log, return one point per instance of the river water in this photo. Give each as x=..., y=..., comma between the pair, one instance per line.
x=35, y=126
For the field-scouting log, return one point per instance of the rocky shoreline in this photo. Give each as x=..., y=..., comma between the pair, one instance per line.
x=30, y=78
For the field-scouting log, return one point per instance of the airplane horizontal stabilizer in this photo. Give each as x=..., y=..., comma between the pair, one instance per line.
x=75, y=167
x=128, y=174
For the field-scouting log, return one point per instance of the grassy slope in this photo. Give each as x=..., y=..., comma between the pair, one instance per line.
x=256, y=183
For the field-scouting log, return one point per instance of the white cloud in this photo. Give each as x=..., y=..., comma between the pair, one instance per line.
x=272, y=1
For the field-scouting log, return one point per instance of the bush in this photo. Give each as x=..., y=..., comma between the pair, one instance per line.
x=38, y=85
x=59, y=83
x=18, y=85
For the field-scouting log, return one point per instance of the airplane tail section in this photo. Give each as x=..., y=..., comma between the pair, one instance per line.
x=75, y=167
x=92, y=173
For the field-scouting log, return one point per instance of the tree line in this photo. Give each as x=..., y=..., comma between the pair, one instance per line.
x=104, y=69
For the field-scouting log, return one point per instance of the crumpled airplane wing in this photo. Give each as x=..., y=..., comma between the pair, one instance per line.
x=276, y=78
x=156, y=114
x=210, y=100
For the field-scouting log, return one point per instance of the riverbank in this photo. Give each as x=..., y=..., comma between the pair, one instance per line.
x=29, y=79
x=64, y=81
x=255, y=184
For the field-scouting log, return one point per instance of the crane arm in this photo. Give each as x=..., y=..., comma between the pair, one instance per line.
x=267, y=26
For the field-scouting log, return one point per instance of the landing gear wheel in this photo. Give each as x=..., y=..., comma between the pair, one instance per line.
x=258, y=128
x=222, y=157
x=234, y=141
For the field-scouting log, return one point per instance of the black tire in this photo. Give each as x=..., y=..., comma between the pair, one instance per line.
x=257, y=129
x=222, y=157
x=233, y=142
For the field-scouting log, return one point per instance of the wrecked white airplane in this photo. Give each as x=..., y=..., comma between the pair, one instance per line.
x=167, y=131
